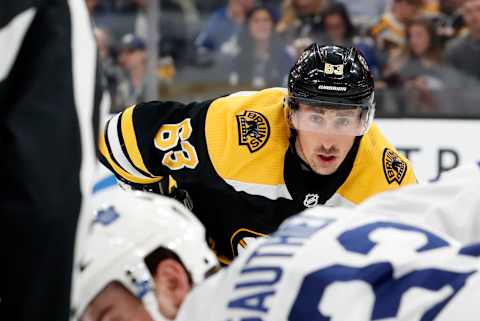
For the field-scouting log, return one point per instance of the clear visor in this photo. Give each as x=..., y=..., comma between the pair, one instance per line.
x=353, y=121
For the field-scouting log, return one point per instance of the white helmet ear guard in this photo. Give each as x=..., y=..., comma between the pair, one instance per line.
x=124, y=230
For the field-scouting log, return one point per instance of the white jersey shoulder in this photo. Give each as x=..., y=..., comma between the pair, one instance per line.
x=340, y=264
x=450, y=205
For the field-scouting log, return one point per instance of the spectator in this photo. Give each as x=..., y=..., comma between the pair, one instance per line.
x=111, y=71
x=450, y=22
x=337, y=25
x=423, y=77
x=300, y=19
x=261, y=59
x=339, y=30
x=389, y=33
x=427, y=85
x=133, y=59
x=174, y=37
x=222, y=25
x=365, y=12
x=463, y=53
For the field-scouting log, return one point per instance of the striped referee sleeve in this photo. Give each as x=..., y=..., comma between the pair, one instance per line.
x=50, y=97
x=12, y=32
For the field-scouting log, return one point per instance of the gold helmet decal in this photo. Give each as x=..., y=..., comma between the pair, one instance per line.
x=253, y=130
x=394, y=167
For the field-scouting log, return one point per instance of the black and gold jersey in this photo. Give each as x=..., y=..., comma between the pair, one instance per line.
x=232, y=155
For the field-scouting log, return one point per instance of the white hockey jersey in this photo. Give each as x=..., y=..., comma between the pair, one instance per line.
x=400, y=256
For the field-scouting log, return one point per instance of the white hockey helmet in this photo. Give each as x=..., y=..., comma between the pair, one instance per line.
x=124, y=231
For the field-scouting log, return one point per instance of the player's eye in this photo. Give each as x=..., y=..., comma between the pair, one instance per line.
x=343, y=122
x=315, y=119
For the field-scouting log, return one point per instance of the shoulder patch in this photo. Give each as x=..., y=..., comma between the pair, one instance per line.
x=253, y=130
x=394, y=167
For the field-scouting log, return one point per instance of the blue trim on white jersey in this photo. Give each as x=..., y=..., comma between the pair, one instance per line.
x=104, y=183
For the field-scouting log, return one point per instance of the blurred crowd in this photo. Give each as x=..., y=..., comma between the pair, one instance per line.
x=425, y=54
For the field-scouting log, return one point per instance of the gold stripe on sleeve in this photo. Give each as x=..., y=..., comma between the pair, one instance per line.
x=118, y=170
x=130, y=140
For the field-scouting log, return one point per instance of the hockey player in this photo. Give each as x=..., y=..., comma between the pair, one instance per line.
x=251, y=159
x=409, y=254
x=143, y=254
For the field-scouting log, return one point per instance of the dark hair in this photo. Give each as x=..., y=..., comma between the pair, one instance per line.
x=434, y=49
x=158, y=255
x=341, y=10
x=244, y=36
x=258, y=7
x=416, y=3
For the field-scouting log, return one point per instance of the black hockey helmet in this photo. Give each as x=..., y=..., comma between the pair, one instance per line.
x=332, y=77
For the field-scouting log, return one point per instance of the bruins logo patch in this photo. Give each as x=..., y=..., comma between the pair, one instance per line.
x=393, y=166
x=253, y=130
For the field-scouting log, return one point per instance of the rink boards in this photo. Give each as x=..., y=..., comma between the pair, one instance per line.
x=434, y=145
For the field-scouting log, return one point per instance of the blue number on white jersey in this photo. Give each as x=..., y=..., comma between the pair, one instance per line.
x=387, y=290
x=356, y=240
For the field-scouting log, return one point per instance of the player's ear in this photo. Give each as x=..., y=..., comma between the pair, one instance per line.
x=172, y=286
x=290, y=117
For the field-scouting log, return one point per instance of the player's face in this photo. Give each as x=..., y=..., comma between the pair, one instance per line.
x=115, y=303
x=471, y=13
x=405, y=10
x=324, y=150
x=419, y=39
x=135, y=59
x=261, y=25
x=335, y=27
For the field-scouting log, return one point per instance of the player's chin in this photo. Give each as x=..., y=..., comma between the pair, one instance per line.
x=325, y=169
